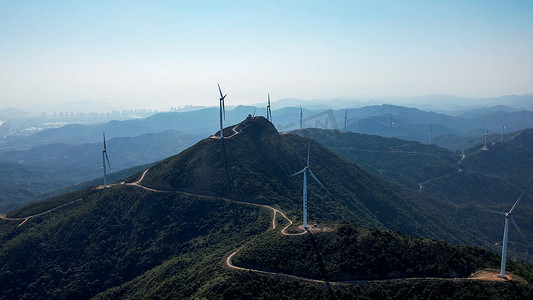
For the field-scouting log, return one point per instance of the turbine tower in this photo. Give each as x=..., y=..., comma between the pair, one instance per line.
x=269, y=112
x=503, y=131
x=509, y=216
x=222, y=112
x=305, y=171
x=345, y=119
x=104, y=158
x=486, y=134
x=301, y=116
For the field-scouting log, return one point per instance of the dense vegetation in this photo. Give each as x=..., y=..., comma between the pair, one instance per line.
x=126, y=242
x=399, y=161
x=253, y=286
x=490, y=179
x=256, y=165
x=113, y=236
x=354, y=253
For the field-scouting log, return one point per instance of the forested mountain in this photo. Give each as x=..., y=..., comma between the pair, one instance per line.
x=484, y=179
x=171, y=239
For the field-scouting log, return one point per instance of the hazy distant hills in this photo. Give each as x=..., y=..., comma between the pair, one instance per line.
x=202, y=122
x=51, y=167
x=409, y=124
x=403, y=162
x=437, y=102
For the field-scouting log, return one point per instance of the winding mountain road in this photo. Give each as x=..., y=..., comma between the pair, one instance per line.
x=482, y=276
x=275, y=211
x=25, y=219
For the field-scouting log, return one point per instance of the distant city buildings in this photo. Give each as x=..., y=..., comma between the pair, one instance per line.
x=124, y=112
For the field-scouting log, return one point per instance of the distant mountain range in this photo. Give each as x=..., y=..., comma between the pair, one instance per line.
x=70, y=154
x=29, y=173
x=408, y=123
x=438, y=102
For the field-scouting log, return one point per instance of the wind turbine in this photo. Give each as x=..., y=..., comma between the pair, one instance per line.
x=509, y=216
x=222, y=111
x=305, y=171
x=345, y=119
x=269, y=112
x=301, y=116
x=503, y=131
x=104, y=158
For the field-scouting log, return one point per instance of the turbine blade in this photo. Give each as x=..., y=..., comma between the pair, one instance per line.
x=220, y=90
x=521, y=195
x=313, y=175
x=519, y=231
x=104, y=143
x=496, y=212
x=299, y=172
x=308, y=147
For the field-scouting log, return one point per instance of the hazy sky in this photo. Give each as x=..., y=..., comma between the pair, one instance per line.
x=133, y=54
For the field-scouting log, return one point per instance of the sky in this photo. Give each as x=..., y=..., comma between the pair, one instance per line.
x=103, y=55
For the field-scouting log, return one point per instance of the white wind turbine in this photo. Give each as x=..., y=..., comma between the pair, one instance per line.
x=305, y=171
x=104, y=158
x=222, y=111
x=269, y=112
x=509, y=216
x=345, y=119
x=301, y=117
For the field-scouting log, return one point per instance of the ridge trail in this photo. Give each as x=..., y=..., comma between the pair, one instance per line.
x=328, y=284
x=25, y=219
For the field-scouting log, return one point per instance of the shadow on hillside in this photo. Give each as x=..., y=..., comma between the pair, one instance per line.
x=226, y=166
x=319, y=258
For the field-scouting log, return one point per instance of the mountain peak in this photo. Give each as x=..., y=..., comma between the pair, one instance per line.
x=255, y=127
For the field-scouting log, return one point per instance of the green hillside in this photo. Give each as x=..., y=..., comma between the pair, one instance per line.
x=256, y=165
x=132, y=242
x=111, y=237
x=404, y=162
x=462, y=188
x=354, y=253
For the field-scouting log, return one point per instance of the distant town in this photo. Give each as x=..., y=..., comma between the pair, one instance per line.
x=143, y=112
